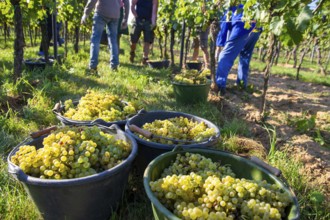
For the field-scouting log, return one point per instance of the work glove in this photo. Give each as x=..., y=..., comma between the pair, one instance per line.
x=83, y=19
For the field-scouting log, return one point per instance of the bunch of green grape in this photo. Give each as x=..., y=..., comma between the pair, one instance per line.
x=190, y=77
x=195, y=187
x=72, y=152
x=179, y=128
x=101, y=105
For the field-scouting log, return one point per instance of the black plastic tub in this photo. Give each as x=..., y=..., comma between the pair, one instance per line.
x=158, y=64
x=194, y=65
x=150, y=150
x=40, y=63
x=59, y=109
x=243, y=168
x=91, y=197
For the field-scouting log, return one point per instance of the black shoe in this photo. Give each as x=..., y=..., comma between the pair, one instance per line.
x=145, y=61
x=114, y=69
x=222, y=91
x=131, y=57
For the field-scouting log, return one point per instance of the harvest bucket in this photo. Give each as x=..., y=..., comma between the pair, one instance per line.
x=243, y=168
x=58, y=110
x=39, y=63
x=90, y=197
x=159, y=64
x=190, y=94
x=149, y=150
x=194, y=65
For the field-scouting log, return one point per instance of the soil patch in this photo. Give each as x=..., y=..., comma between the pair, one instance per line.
x=286, y=99
x=15, y=103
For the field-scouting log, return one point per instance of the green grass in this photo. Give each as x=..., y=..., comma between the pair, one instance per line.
x=311, y=200
x=14, y=202
x=26, y=107
x=307, y=74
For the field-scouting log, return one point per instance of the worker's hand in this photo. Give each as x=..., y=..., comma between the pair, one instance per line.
x=83, y=19
x=124, y=24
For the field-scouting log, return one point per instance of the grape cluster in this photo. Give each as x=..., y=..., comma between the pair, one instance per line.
x=72, y=152
x=179, y=128
x=101, y=105
x=206, y=72
x=190, y=77
x=195, y=187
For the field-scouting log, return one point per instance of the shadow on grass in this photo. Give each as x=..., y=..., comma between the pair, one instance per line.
x=161, y=74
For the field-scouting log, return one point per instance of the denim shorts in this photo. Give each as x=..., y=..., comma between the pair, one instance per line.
x=142, y=25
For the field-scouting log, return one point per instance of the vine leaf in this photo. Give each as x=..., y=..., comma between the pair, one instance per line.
x=276, y=25
x=304, y=18
x=294, y=34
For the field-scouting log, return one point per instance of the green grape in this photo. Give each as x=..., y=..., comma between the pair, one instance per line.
x=65, y=155
x=195, y=187
x=191, y=77
x=179, y=128
x=100, y=105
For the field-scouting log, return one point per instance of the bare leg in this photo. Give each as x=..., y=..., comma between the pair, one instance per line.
x=196, y=49
x=146, y=50
x=206, y=58
x=132, y=53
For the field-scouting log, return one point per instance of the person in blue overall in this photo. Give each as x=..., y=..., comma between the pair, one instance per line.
x=236, y=40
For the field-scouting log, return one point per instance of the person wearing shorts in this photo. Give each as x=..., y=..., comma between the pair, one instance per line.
x=145, y=17
x=202, y=42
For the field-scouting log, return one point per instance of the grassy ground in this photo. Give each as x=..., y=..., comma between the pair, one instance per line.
x=26, y=107
x=308, y=72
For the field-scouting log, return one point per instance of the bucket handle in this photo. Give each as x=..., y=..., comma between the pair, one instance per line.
x=17, y=173
x=271, y=169
x=113, y=128
x=57, y=107
x=141, y=111
x=177, y=148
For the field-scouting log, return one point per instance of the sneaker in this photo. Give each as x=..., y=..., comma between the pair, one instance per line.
x=144, y=61
x=240, y=85
x=132, y=56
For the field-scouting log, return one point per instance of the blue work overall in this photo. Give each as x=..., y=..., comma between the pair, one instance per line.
x=240, y=42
